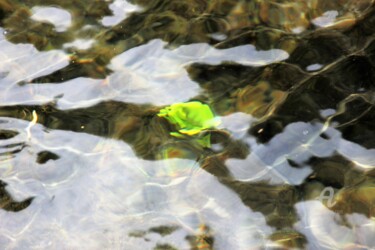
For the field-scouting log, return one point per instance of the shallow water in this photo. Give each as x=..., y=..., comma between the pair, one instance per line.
x=86, y=163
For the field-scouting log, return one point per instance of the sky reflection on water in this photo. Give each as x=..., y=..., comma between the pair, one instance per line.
x=146, y=74
x=99, y=191
x=292, y=83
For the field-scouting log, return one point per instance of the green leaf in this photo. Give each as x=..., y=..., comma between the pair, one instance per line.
x=190, y=118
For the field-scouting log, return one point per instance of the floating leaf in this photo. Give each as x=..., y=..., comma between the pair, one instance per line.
x=190, y=118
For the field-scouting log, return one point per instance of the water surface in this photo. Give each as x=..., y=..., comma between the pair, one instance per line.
x=86, y=163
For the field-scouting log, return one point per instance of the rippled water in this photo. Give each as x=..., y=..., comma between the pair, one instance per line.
x=86, y=163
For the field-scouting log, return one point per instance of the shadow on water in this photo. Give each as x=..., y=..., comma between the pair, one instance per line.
x=312, y=113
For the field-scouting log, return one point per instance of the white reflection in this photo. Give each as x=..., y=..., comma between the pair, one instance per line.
x=296, y=145
x=152, y=74
x=98, y=192
x=325, y=229
x=314, y=67
x=57, y=16
x=80, y=44
x=23, y=62
x=121, y=10
x=145, y=74
x=327, y=19
x=237, y=123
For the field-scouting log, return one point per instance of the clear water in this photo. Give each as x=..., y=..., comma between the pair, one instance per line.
x=86, y=163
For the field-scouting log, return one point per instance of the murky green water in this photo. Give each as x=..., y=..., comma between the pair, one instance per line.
x=87, y=163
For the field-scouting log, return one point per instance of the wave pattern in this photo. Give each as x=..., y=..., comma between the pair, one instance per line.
x=85, y=162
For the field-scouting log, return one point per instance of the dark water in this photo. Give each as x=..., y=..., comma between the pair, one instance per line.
x=86, y=163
